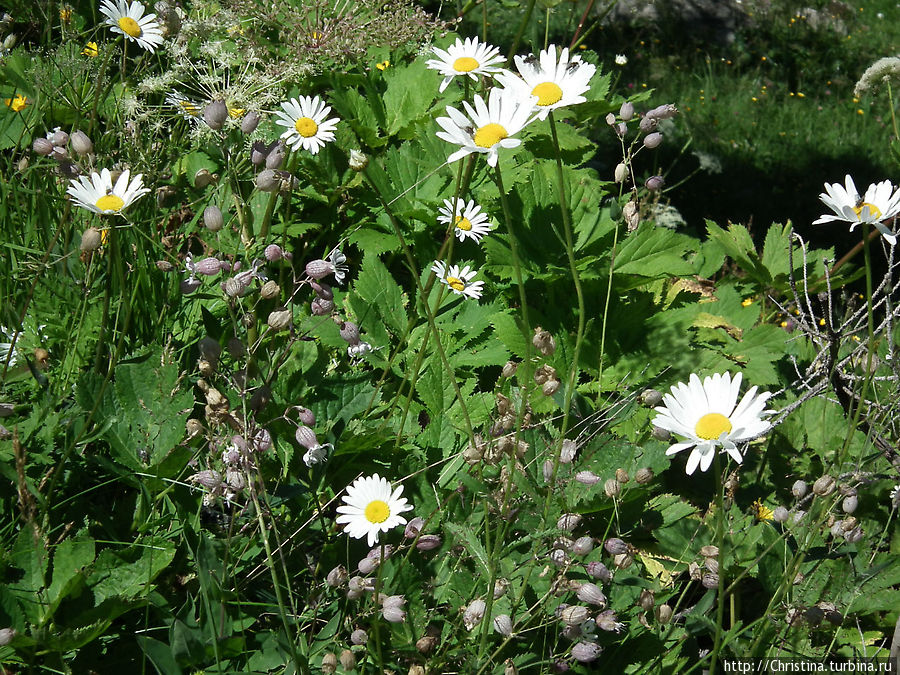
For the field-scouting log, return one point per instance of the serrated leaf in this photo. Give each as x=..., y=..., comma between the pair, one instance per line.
x=386, y=300
x=473, y=545
x=707, y=320
x=128, y=572
x=407, y=100
x=655, y=253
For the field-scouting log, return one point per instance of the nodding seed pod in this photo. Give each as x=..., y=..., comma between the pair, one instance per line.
x=212, y=218
x=359, y=637
x=349, y=332
x=626, y=111
x=799, y=489
x=203, y=178
x=250, y=122
x=653, y=140
x=81, y=144
x=59, y=138
x=268, y=180
x=279, y=319
x=91, y=240
x=214, y=114
x=42, y=146
x=643, y=476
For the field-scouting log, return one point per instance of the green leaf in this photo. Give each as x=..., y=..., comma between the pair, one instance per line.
x=128, y=572
x=386, y=300
x=69, y=560
x=406, y=100
x=159, y=654
x=654, y=252
x=472, y=545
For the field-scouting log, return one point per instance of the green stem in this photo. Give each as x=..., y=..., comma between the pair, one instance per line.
x=720, y=542
x=526, y=17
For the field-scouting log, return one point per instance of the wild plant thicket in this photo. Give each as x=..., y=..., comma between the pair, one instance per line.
x=278, y=273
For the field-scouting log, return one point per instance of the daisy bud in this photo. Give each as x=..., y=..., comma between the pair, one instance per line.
x=250, y=122
x=648, y=124
x=42, y=146
x=626, y=112
x=425, y=645
x=824, y=486
x=655, y=183
x=615, y=546
x=268, y=180
x=90, y=240
x=428, y=542
x=568, y=521
x=358, y=161
x=590, y=593
x=81, y=144
x=599, y=571
x=329, y=661
x=643, y=476
x=653, y=140
x=320, y=307
x=709, y=551
x=258, y=153
x=203, y=178
x=664, y=614
x=359, y=637
x=849, y=504
x=543, y=341
x=503, y=625
x=212, y=218
x=215, y=114
x=348, y=661
x=280, y=319
x=59, y=138
x=611, y=488
x=474, y=613
x=414, y=527
x=269, y=290
x=587, y=478
x=799, y=489
x=710, y=580
x=275, y=158
x=350, y=332
x=7, y=635
x=585, y=652
x=509, y=369
x=660, y=434
x=550, y=387
x=621, y=172
x=574, y=615
x=646, y=600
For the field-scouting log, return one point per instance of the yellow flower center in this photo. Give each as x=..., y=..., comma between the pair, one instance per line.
x=306, y=127
x=465, y=64
x=91, y=49
x=489, y=135
x=17, y=103
x=130, y=26
x=109, y=203
x=191, y=109
x=383, y=65
x=235, y=113
x=456, y=284
x=463, y=223
x=712, y=425
x=377, y=511
x=548, y=93
x=874, y=210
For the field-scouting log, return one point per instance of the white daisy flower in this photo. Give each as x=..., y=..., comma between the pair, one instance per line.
x=306, y=123
x=705, y=413
x=458, y=280
x=468, y=219
x=553, y=83
x=879, y=203
x=370, y=508
x=190, y=110
x=465, y=58
x=98, y=194
x=488, y=127
x=129, y=20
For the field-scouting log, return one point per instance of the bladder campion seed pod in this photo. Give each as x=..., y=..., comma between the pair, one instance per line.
x=212, y=218
x=91, y=240
x=250, y=122
x=279, y=319
x=215, y=114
